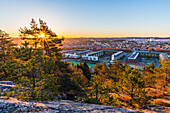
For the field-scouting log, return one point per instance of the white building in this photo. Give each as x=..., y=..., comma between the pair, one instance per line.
x=69, y=55
x=90, y=58
x=117, y=56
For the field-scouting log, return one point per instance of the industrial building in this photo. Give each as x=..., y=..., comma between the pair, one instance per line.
x=70, y=55
x=75, y=53
x=148, y=54
x=90, y=58
x=117, y=56
x=88, y=55
x=133, y=57
x=93, y=56
x=138, y=65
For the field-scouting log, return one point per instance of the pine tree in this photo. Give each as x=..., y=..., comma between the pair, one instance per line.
x=134, y=86
x=96, y=89
x=42, y=37
x=42, y=61
x=149, y=75
x=6, y=46
x=97, y=69
x=165, y=71
x=24, y=53
x=86, y=71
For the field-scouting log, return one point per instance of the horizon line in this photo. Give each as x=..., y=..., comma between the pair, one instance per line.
x=117, y=37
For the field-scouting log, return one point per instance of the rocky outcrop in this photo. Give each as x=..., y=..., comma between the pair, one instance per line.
x=12, y=107
x=70, y=106
x=63, y=106
x=15, y=108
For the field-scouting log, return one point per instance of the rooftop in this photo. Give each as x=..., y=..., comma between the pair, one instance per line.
x=118, y=53
x=93, y=53
x=81, y=52
x=134, y=55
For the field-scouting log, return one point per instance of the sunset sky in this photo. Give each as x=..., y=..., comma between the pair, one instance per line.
x=90, y=18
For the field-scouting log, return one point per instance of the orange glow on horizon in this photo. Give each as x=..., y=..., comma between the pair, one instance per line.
x=102, y=35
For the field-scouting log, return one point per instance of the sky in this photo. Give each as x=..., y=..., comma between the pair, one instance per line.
x=89, y=18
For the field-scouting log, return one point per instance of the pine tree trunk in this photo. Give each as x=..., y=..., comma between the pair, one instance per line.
x=33, y=95
x=97, y=93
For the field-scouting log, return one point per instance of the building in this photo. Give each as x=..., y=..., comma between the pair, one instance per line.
x=138, y=65
x=69, y=55
x=83, y=52
x=117, y=56
x=148, y=54
x=90, y=58
x=75, y=53
x=133, y=57
x=93, y=56
x=96, y=53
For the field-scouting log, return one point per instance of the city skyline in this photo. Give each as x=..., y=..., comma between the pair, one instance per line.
x=89, y=18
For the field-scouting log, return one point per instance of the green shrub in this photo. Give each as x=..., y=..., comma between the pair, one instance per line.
x=7, y=97
x=10, y=94
x=112, y=100
x=18, y=97
x=168, y=89
x=4, y=93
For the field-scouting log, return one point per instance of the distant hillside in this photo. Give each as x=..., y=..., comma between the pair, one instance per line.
x=119, y=38
x=18, y=40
